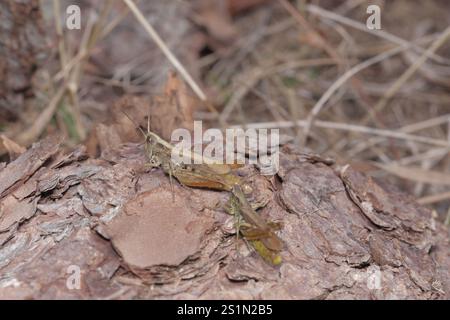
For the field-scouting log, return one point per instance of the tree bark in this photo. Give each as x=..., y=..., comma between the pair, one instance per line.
x=115, y=221
x=22, y=50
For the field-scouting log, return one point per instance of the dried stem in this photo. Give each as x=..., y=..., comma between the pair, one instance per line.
x=165, y=49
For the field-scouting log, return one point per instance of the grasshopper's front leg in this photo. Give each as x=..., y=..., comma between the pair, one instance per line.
x=232, y=208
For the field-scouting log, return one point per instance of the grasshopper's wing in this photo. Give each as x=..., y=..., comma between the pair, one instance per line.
x=198, y=180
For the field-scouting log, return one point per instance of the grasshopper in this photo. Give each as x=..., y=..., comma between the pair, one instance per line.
x=256, y=230
x=211, y=176
x=217, y=177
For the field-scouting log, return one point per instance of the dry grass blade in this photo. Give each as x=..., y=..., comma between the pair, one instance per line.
x=435, y=198
x=340, y=81
x=30, y=135
x=252, y=77
x=305, y=24
x=349, y=127
x=165, y=49
x=416, y=174
x=313, y=9
x=410, y=72
x=360, y=147
x=66, y=69
x=59, y=33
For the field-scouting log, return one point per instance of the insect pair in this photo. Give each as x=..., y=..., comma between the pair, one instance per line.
x=260, y=234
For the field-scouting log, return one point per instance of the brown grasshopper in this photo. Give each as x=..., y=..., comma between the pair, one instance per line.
x=210, y=176
x=217, y=177
x=255, y=229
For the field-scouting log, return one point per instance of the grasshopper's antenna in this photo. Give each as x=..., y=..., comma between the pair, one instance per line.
x=137, y=125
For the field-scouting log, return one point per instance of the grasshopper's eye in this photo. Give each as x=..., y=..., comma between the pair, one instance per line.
x=154, y=162
x=247, y=189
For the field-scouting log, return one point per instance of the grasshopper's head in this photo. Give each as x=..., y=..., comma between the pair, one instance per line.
x=152, y=138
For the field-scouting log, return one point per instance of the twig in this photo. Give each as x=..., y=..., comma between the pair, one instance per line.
x=305, y=24
x=165, y=49
x=92, y=33
x=378, y=33
x=38, y=126
x=341, y=80
x=409, y=73
x=438, y=153
x=434, y=198
x=349, y=127
x=81, y=55
x=257, y=74
x=406, y=129
x=59, y=33
x=74, y=79
x=436, y=121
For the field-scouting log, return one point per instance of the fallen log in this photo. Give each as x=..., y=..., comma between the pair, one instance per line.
x=72, y=226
